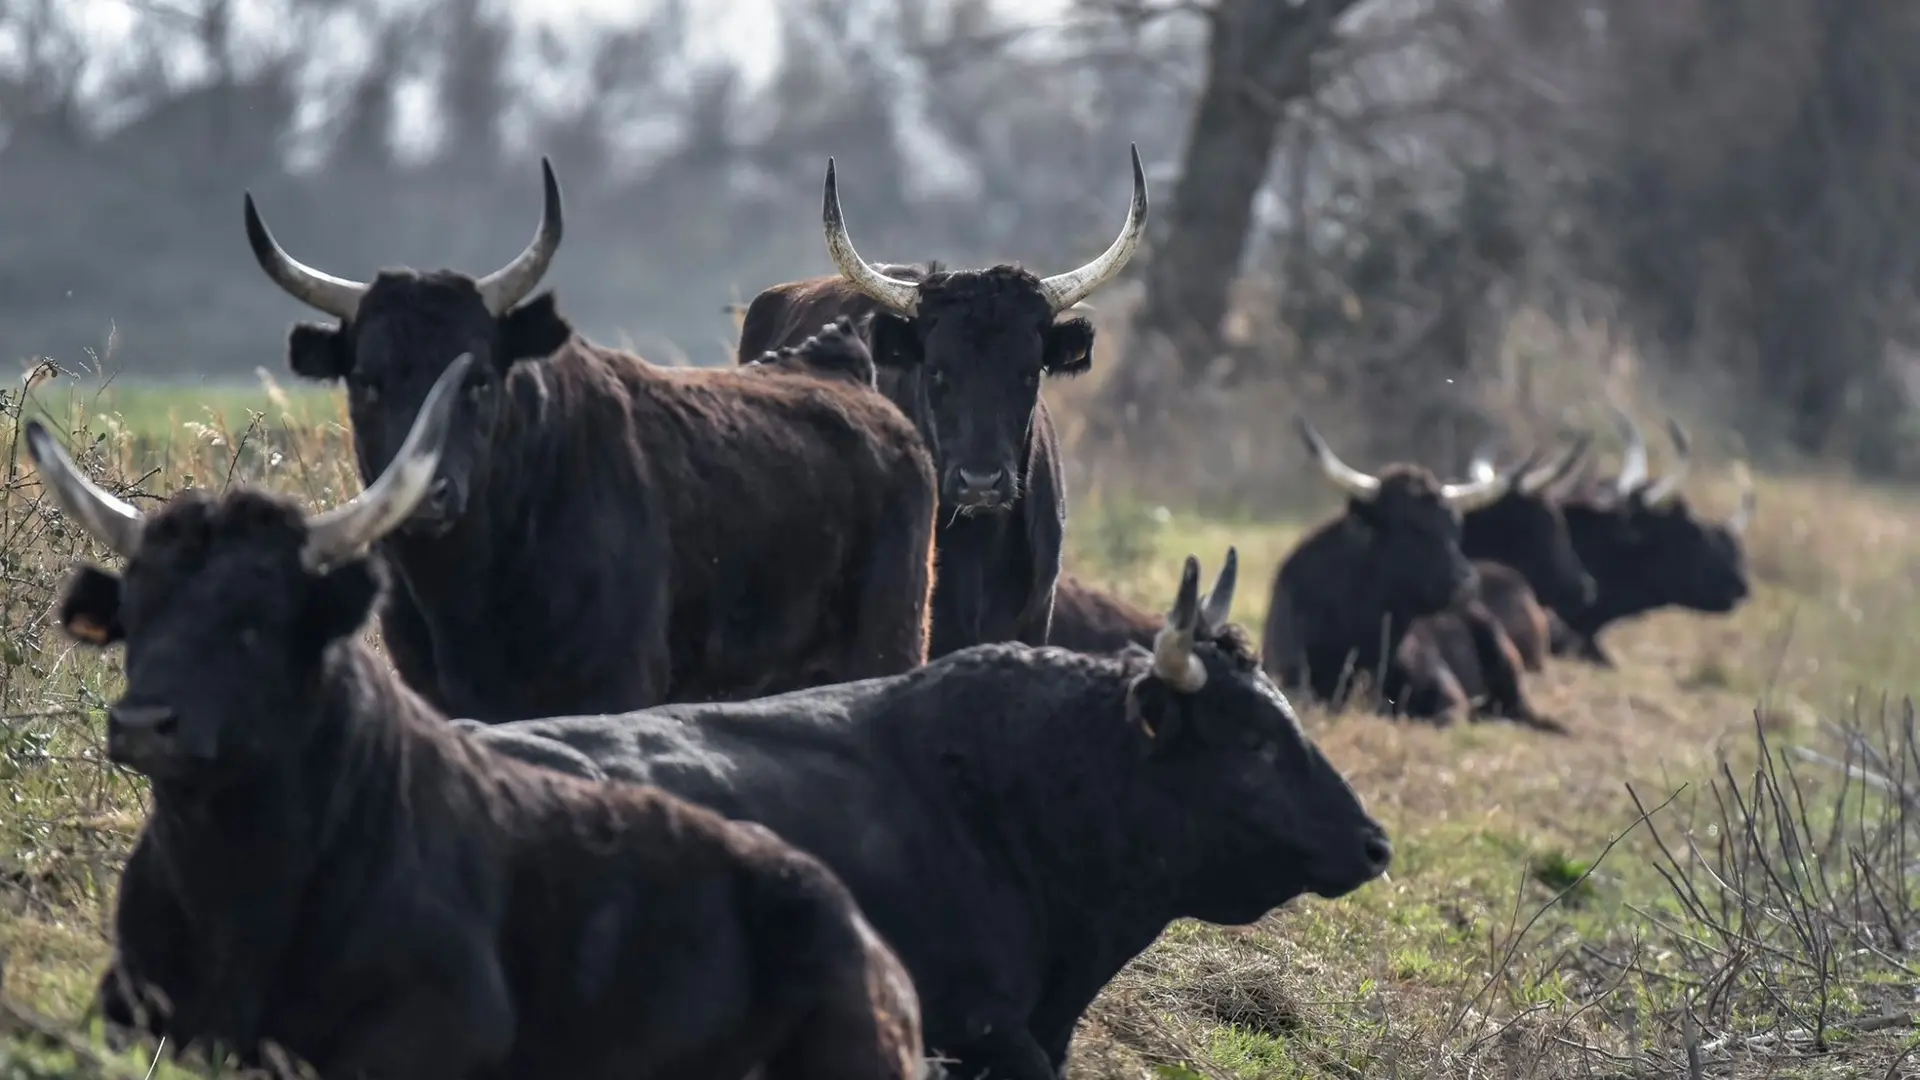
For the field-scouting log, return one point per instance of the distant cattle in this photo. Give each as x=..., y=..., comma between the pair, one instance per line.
x=333, y=869
x=1019, y=823
x=1468, y=659
x=606, y=534
x=1347, y=595
x=1093, y=620
x=1646, y=550
x=963, y=352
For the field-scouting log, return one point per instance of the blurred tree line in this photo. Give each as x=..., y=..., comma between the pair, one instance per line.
x=1352, y=198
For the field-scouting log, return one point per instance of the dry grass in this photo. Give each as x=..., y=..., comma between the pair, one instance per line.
x=1504, y=944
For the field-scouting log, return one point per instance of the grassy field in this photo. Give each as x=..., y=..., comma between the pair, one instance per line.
x=1694, y=881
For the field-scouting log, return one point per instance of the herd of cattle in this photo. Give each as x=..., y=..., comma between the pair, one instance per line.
x=783, y=747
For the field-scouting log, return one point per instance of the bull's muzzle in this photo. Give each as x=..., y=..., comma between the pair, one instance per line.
x=987, y=489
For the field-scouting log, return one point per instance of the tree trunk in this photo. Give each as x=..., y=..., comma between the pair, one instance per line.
x=1259, y=57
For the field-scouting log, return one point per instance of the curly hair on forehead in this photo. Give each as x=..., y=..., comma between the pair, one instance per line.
x=1418, y=479
x=1236, y=645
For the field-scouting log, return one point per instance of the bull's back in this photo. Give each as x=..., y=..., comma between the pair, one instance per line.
x=788, y=313
x=1513, y=604
x=1088, y=619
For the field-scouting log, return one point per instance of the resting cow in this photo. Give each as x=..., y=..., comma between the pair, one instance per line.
x=332, y=869
x=1520, y=550
x=1092, y=620
x=1647, y=550
x=1020, y=822
x=963, y=353
x=606, y=534
x=1344, y=599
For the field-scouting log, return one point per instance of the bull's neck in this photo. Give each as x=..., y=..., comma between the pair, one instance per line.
x=1053, y=779
x=251, y=856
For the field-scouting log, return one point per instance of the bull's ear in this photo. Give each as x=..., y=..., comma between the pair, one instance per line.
x=894, y=342
x=90, y=610
x=533, y=330
x=1069, y=347
x=319, y=352
x=1153, y=709
x=341, y=599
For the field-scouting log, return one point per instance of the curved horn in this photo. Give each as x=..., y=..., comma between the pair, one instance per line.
x=1173, y=659
x=511, y=283
x=339, y=297
x=1743, y=517
x=1669, y=485
x=1218, y=606
x=1633, y=461
x=1481, y=466
x=1539, y=480
x=900, y=297
x=391, y=497
x=1065, y=290
x=1474, y=494
x=110, y=521
x=1360, y=485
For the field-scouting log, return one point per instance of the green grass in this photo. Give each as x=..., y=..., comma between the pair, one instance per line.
x=162, y=410
x=1508, y=940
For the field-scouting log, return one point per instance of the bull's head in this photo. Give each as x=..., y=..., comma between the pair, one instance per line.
x=227, y=604
x=1226, y=748
x=1525, y=529
x=972, y=346
x=1644, y=545
x=1413, y=522
x=397, y=333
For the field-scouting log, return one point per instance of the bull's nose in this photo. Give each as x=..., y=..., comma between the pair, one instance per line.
x=141, y=737
x=144, y=719
x=1378, y=851
x=981, y=481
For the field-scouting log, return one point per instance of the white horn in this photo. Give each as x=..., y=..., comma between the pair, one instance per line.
x=1743, y=517
x=1538, y=480
x=900, y=297
x=1218, y=606
x=511, y=283
x=109, y=520
x=1173, y=659
x=1669, y=485
x=1468, y=497
x=1633, y=461
x=1345, y=477
x=339, y=297
x=391, y=498
x=1065, y=290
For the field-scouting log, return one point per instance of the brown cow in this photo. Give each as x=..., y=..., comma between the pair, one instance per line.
x=1091, y=620
x=607, y=534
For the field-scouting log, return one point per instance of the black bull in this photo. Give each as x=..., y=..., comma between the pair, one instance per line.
x=1018, y=823
x=963, y=353
x=606, y=534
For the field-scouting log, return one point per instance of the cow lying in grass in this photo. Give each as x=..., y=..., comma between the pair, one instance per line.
x=1019, y=822
x=332, y=869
